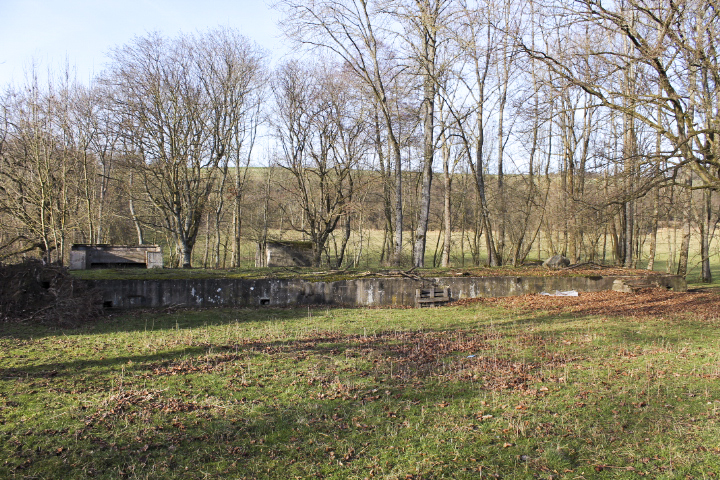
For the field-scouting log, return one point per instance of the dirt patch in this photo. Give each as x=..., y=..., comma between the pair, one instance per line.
x=703, y=304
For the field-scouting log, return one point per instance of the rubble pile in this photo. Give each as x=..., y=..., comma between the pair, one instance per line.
x=34, y=292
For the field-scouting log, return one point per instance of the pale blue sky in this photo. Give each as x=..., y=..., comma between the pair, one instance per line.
x=47, y=32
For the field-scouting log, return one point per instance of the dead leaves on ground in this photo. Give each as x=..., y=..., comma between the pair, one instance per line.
x=646, y=303
x=124, y=403
x=487, y=358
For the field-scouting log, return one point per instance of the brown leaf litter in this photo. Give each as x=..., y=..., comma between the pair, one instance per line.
x=656, y=302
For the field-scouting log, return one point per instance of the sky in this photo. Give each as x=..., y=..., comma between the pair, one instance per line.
x=80, y=33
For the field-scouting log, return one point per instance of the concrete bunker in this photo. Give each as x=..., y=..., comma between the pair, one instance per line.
x=85, y=256
x=284, y=254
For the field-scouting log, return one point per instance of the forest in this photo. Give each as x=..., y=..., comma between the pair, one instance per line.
x=402, y=132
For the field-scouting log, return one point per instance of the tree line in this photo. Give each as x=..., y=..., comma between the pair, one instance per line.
x=582, y=127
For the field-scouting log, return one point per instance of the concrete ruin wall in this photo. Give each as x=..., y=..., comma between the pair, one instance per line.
x=87, y=256
x=284, y=254
x=358, y=292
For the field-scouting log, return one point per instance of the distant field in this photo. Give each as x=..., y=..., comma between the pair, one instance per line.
x=516, y=390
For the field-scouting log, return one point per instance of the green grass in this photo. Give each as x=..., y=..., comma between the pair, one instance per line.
x=452, y=392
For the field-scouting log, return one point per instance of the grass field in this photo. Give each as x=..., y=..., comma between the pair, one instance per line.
x=475, y=391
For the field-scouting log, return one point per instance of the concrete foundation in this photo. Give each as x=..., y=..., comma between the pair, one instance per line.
x=359, y=292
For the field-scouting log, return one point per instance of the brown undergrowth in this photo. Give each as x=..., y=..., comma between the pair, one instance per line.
x=645, y=303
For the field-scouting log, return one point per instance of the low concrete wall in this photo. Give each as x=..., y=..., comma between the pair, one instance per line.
x=360, y=292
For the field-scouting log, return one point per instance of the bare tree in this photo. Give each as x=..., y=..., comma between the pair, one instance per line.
x=323, y=138
x=351, y=29
x=668, y=48
x=476, y=40
x=40, y=160
x=426, y=29
x=179, y=102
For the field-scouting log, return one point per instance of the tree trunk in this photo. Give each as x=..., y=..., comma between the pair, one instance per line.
x=218, y=237
x=687, y=228
x=492, y=256
x=318, y=247
x=343, y=245
x=629, y=150
x=136, y=221
x=705, y=231
x=423, y=220
x=446, y=207
x=397, y=252
x=629, y=227
x=236, y=232
x=206, y=254
x=654, y=228
x=428, y=149
x=500, y=169
x=656, y=196
x=186, y=249
x=387, y=250
x=671, y=242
